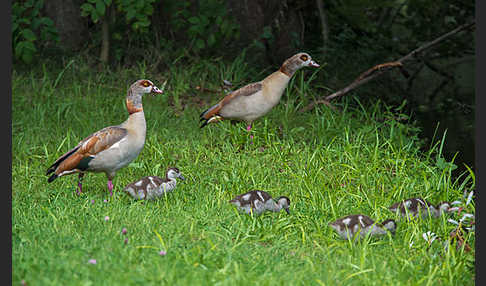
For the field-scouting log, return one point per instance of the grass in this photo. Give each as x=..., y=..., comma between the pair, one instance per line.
x=330, y=164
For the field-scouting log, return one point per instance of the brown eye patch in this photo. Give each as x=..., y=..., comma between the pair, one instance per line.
x=145, y=83
x=304, y=58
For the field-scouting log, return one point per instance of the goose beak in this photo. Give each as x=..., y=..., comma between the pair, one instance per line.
x=181, y=177
x=314, y=64
x=287, y=210
x=156, y=90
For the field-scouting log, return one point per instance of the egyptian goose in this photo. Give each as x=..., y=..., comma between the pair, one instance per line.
x=349, y=226
x=257, y=202
x=152, y=187
x=110, y=148
x=414, y=206
x=256, y=99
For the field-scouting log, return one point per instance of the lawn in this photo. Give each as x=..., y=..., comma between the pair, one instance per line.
x=360, y=159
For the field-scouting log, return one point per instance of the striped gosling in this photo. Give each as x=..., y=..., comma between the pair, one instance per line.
x=349, y=226
x=257, y=202
x=415, y=206
x=153, y=187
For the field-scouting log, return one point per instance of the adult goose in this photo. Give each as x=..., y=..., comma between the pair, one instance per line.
x=110, y=148
x=256, y=99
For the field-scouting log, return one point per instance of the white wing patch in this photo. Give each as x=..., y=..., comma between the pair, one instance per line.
x=360, y=218
x=260, y=195
x=407, y=203
x=152, y=181
x=117, y=144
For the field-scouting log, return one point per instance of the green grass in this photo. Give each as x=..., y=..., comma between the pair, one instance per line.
x=330, y=164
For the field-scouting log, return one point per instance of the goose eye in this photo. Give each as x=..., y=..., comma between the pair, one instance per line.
x=145, y=83
x=304, y=58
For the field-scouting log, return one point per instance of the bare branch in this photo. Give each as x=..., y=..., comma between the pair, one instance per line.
x=381, y=68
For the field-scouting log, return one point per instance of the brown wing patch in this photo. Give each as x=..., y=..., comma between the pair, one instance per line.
x=70, y=163
x=90, y=146
x=158, y=180
x=106, y=138
x=247, y=90
x=366, y=220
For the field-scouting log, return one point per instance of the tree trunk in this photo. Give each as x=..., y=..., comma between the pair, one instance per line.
x=67, y=18
x=105, y=39
x=324, y=25
x=280, y=17
x=105, y=34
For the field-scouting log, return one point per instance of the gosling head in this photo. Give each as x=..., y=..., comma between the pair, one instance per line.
x=173, y=173
x=390, y=225
x=284, y=202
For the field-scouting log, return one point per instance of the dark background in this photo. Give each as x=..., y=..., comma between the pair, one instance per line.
x=348, y=37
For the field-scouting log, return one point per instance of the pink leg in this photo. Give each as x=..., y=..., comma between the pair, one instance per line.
x=110, y=187
x=248, y=128
x=80, y=183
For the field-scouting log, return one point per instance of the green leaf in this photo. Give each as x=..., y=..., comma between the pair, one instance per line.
x=107, y=2
x=25, y=51
x=193, y=20
x=29, y=4
x=267, y=32
x=95, y=17
x=100, y=8
x=27, y=57
x=28, y=35
x=204, y=20
x=143, y=23
x=194, y=30
x=141, y=17
x=200, y=44
x=24, y=21
x=36, y=23
x=259, y=45
x=14, y=27
x=139, y=5
x=149, y=10
x=86, y=8
x=219, y=20
x=130, y=14
x=211, y=40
